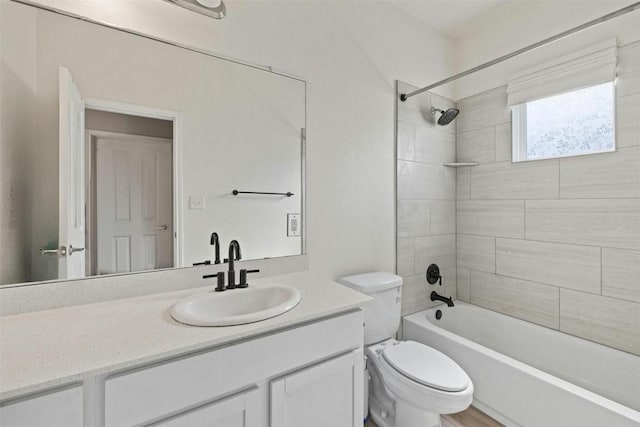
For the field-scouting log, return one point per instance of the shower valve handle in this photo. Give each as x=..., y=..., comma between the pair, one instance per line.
x=433, y=275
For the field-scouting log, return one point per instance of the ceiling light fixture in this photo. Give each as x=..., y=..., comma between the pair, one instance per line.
x=213, y=8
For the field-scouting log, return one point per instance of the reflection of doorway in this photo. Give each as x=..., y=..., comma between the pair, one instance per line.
x=130, y=193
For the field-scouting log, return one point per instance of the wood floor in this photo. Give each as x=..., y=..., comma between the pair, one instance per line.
x=471, y=417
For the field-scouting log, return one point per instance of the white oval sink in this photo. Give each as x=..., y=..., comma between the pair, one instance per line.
x=236, y=306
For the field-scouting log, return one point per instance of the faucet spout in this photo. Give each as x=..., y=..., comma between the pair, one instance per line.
x=436, y=297
x=234, y=255
x=215, y=242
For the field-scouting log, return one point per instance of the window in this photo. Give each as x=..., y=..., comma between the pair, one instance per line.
x=573, y=123
x=565, y=107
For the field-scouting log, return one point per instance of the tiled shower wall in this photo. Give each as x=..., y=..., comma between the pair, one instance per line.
x=426, y=205
x=555, y=242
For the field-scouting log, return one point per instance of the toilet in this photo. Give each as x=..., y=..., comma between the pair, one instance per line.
x=411, y=383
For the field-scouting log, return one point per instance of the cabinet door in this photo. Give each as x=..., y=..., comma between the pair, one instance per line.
x=240, y=410
x=326, y=394
x=58, y=409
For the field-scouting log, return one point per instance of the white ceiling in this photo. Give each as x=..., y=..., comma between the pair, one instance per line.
x=449, y=17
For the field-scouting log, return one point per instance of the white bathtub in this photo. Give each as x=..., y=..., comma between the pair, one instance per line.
x=529, y=375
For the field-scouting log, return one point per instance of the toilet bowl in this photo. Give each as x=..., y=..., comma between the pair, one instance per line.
x=421, y=382
x=411, y=383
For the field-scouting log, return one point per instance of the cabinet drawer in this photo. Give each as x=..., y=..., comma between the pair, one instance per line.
x=61, y=408
x=153, y=393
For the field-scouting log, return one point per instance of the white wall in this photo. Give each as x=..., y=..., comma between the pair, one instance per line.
x=517, y=24
x=350, y=53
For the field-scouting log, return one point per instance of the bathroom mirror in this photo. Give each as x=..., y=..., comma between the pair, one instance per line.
x=121, y=153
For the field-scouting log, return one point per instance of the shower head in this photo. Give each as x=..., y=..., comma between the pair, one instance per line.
x=446, y=117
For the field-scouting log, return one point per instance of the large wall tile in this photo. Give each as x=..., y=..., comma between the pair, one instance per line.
x=485, y=109
x=406, y=138
x=463, y=284
x=621, y=274
x=605, y=320
x=530, y=180
x=503, y=142
x=628, y=81
x=439, y=250
x=580, y=217
x=405, y=257
x=463, y=183
x=426, y=193
x=414, y=294
x=434, y=146
x=443, y=217
x=449, y=283
x=526, y=300
x=413, y=218
x=416, y=291
x=607, y=175
x=569, y=266
x=449, y=183
x=423, y=181
x=628, y=84
x=611, y=223
x=476, y=146
x=417, y=109
x=502, y=218
x=628, y=121
x=476, y=252
x=629, y=59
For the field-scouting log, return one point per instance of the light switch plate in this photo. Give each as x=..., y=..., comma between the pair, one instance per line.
x=294, y=226
x=196, y=202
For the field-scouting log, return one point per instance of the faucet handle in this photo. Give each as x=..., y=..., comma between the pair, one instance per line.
x=219, y=283
x=243, y=277
x=433, y=275
x=207, y=262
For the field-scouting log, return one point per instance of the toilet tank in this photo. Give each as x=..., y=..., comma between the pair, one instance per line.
x=381, y=316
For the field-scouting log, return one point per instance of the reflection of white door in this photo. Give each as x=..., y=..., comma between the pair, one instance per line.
x=134, y=203
x=71, y=197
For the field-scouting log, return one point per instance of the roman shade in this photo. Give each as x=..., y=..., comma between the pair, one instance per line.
x=586, y=67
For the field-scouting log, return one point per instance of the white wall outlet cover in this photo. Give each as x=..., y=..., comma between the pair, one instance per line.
x=294, y=226
x=196, y=202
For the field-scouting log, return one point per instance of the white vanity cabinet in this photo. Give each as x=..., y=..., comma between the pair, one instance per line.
x=59, y=408
x=311, y=370
x=309, y=374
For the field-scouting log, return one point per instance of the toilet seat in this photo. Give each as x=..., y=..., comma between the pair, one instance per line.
x=426, y=366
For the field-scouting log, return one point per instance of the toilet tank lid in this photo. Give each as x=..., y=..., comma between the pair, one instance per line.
x=372, y=282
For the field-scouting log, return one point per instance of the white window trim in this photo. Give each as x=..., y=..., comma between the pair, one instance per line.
x=519, y=134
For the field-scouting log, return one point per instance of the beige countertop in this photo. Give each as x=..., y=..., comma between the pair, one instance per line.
x=48, y=348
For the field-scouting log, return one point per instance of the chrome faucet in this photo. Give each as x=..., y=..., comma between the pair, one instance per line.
x=436, y=297
x=234, y=255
